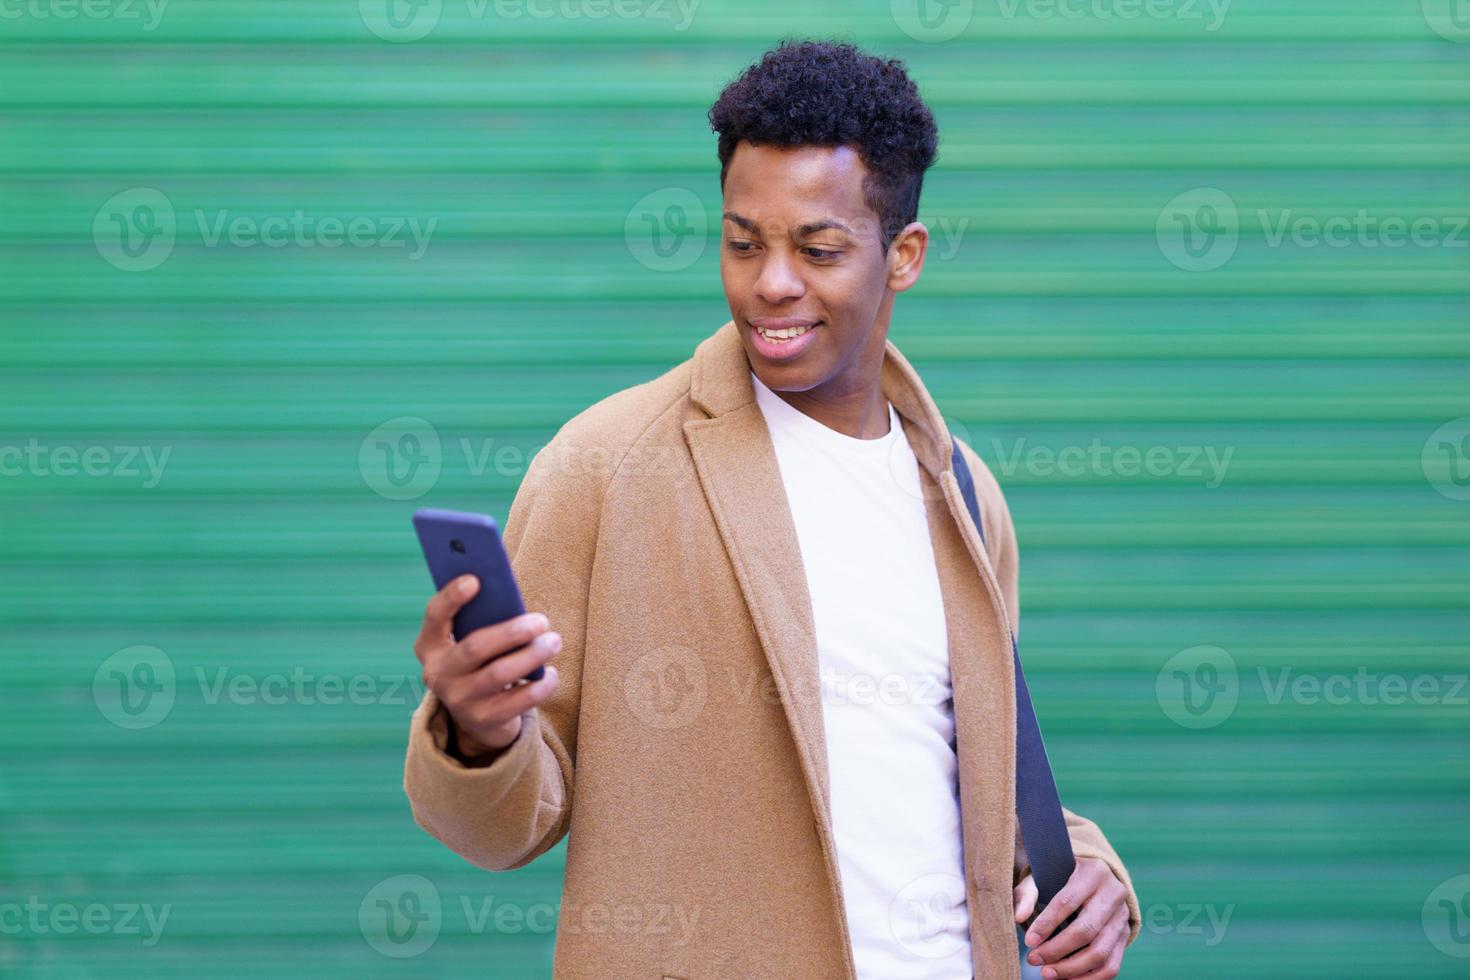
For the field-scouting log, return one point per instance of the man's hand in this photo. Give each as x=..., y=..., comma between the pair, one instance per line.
x=1091, y=948
x=475, y=683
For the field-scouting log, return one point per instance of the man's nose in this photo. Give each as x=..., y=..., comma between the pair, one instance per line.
x=779, y=279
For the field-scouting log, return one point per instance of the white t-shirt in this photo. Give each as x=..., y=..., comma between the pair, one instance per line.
x=886, y=698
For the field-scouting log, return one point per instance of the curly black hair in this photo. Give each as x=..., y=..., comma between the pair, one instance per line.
x=829, y=93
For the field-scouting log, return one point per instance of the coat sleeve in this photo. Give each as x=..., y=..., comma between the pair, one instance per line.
x=506, y=814
x=1001, y=548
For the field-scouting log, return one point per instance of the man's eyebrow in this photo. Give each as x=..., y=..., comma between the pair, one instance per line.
x=802, y=231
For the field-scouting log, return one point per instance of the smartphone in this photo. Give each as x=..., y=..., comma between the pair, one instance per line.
x=456, y=543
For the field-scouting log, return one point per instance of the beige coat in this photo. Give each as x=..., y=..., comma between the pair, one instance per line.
x=683, y=749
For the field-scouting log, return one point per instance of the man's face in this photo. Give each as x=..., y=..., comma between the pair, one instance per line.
x=800, y=244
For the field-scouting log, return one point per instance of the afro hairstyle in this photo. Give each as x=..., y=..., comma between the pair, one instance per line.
x=830, y=93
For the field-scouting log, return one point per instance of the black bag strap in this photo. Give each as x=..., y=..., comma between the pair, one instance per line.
x=1043, y=828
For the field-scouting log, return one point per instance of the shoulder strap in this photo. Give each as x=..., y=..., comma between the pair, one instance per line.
x=1039, y=809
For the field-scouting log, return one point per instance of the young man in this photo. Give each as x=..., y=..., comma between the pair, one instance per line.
x=780, y=725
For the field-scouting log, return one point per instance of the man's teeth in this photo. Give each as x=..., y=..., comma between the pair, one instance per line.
x=786, y=334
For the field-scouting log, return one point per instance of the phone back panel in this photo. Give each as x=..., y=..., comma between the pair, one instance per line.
x=457, y=543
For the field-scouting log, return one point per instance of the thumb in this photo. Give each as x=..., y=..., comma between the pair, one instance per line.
x=1025, y=896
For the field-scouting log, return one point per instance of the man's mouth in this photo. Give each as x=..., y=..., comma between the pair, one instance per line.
x=778, y=340
x=778, y=332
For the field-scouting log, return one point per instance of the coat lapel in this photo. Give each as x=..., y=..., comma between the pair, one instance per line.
x=737, y=468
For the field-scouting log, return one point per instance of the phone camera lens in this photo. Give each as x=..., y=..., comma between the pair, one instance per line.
x=457, y=545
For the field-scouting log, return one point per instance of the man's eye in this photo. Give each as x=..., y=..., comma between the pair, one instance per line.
x=820, y=253
x=740, y=246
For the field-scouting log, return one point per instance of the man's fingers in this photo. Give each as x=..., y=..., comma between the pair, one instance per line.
x=1090, y=958
x=517, y=701
x=1025, y=897
x=511, y=667
x=1091, y=927
x=1084, y=881
x=438, y=626
x=1110, y=969
x=488, y=643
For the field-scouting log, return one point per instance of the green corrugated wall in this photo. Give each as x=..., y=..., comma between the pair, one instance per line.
x=208, y=582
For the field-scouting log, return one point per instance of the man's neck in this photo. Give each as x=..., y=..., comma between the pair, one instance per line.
x=860, y=414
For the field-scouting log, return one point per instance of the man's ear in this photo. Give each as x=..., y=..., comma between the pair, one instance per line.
x=906, y=256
